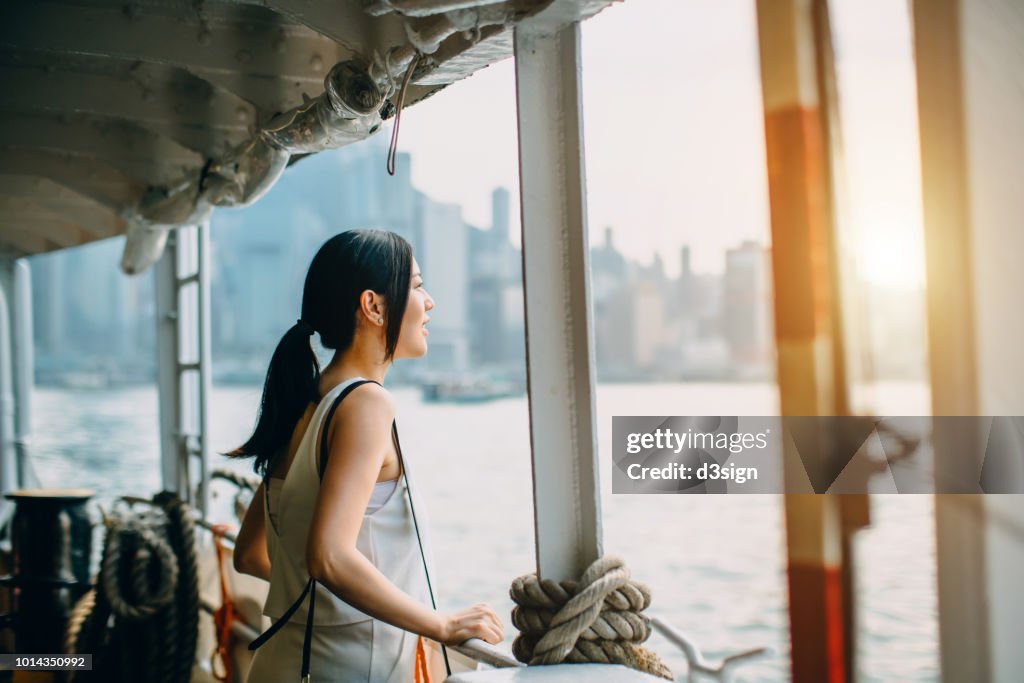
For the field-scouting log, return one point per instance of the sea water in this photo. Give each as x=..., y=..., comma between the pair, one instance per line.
x=715, y=564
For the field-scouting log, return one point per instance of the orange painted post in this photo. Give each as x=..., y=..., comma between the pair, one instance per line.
x=796, y=86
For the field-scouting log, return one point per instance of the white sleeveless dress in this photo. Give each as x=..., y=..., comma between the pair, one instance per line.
x=348, y=646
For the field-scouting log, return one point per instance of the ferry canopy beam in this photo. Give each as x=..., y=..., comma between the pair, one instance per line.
x=224, y=38
x=90, y=178
x=166, y=101
x=556, y=273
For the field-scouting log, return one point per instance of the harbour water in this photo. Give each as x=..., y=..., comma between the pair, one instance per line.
x=715, y=564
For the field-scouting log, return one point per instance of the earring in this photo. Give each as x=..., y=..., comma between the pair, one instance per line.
x=380, y=321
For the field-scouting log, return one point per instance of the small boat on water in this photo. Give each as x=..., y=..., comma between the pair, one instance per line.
x=140, y=119
x=468, y=390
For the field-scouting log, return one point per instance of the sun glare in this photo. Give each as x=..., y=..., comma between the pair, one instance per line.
x=890, y=256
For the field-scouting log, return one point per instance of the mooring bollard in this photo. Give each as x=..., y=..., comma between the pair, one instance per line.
x=51, y=541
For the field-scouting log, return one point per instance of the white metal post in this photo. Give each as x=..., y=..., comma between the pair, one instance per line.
x=967, y=58
x=24, y=367
x=556, y=281
x=8, y=471
x=183, y=362
x=205, y=359
x=165, y=274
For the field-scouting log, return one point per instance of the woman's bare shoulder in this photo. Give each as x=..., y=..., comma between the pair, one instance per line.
x=368, y=400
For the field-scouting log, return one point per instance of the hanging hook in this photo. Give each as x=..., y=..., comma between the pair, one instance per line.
x=393, y=148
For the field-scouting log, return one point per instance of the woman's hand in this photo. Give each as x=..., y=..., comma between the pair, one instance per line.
x=478, y=621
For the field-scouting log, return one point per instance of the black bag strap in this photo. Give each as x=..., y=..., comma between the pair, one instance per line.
x=276, y=626
x=307, y=639
x=426, y=572
x=310, y=588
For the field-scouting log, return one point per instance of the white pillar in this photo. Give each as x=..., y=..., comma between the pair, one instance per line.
x=556, y=276
x=23, y=370
x=8, y=462
x=967, y=56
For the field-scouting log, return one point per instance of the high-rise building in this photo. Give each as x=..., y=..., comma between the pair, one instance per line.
x=48, y=292
x=747, y=305
x=442, y=254
x=90, y=316
x=501, y=231
x=614, y=309
x=496, y=292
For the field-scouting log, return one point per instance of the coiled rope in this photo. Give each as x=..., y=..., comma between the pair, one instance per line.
x=151, y=567
x=84, y=632
x=141, y=620
x=597, y=619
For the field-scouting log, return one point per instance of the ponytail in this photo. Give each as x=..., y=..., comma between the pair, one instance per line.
x=291, y=384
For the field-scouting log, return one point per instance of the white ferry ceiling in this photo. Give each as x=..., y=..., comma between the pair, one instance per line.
x=138, y=118
x=354, y=103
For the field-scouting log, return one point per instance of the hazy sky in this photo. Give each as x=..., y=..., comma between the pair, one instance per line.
x=675, y=136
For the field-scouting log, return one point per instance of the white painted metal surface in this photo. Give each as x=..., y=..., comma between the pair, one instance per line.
x=559, y=673
x=165, y=275
x=482, y=651
x=183, y=362
x=970, y=98
x=8, y=473
x=153, y=112
x=205, y=358
x=23, y=372
x=16, y=368
x=722, y=671
x=559, y=335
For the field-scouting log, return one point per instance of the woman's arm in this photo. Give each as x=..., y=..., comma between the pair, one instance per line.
x=358, y=440
x=250, y=555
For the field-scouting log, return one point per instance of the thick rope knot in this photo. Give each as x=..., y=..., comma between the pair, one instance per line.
x=141, y=561
x=597, y=619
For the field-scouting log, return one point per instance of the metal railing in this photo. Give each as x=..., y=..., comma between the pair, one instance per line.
x=698, y=665
x=499, y=658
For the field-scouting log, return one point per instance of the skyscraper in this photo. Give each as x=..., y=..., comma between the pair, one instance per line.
x=747, y=305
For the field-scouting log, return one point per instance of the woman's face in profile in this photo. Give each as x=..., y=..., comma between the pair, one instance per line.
x=412, y=340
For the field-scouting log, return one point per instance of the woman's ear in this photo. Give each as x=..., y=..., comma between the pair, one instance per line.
x=371, y=305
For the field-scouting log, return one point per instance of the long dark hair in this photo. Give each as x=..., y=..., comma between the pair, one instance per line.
x=345, y=266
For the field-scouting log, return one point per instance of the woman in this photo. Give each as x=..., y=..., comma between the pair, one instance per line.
x=348, y=524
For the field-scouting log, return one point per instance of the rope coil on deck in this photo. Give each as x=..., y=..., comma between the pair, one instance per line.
x=136, y=550
x=148, y=583
x=597, y=619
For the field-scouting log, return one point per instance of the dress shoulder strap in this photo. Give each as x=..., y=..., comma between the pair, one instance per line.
x=324, y=451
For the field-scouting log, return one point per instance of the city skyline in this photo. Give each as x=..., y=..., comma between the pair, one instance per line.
x=662, y=318
x=260, y=255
